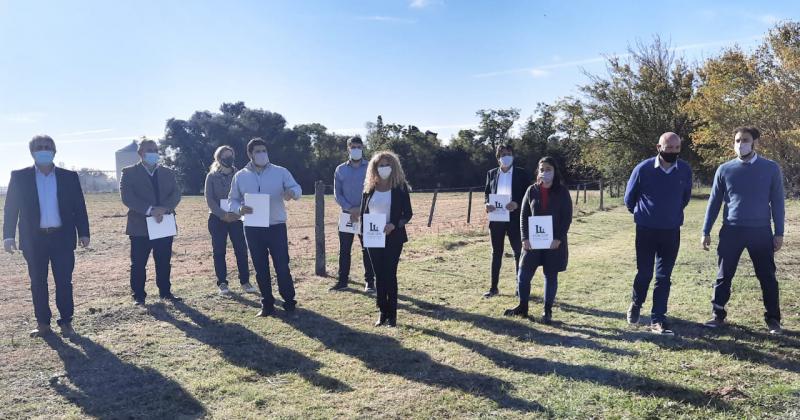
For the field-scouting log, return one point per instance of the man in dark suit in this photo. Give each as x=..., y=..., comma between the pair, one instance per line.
x=508, y=180
x=148, y=189
x=48, y=206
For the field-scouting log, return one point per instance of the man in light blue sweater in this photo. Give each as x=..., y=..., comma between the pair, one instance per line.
x=262, y=177
x=751, y=187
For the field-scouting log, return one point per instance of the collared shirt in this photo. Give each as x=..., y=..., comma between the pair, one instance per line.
x=47, y=189
x=504, y=181
x=668, y=170
x=348, y=184
x=751, y=160
x=149, y=172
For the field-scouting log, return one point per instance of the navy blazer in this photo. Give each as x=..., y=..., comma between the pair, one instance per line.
x=520, y=180
x=22, y=205
x=399, y=214
x=559, y=205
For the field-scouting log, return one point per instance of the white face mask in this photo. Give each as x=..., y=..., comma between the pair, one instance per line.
x=547, y=176
x=743, y=149
x=384, y=171
x=356, y=154
x=506, y=161
x=261, y=158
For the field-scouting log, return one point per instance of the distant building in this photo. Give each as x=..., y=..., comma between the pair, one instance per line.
x=126, y=156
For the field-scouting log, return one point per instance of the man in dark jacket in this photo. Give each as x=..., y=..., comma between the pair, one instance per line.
x=47, y=204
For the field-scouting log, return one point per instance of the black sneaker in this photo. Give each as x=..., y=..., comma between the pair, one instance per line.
x=715, y=322
x=337, y=287
x=381, y=320
x=661, y=328
x=633, y=314
x=138, y=302
x=547, y=317
x=170, y=297
x=518, y=310
x=265, y=312
x=774, y=327
x=289, y=308
x=491, y=293
x=369, y=288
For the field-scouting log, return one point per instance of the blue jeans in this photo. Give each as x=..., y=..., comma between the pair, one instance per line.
x=659, y=246
x=262, y=242
x=530, y=261
x=220, y=231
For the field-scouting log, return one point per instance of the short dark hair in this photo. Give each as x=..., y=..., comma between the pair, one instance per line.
x=41, y=137
x=503, y=146
x=146, y=141
x=749, y=130
x=354, y=140
x=258, y=141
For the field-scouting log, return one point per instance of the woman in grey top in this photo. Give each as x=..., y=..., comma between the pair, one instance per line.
x=223, y=223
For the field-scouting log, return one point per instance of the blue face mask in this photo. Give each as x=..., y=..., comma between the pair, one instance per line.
x=43, y=157
x=150, y=158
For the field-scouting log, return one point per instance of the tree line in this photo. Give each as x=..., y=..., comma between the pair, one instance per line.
x=603, y=132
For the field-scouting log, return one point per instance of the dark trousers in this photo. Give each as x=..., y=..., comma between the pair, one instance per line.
x=498, y=232
x=345, y=249
x=384, y=262
x=659, y=246
x=733, y=240
x=162, y=256
x=263, y=242
x=531, y=260
x=220, y=231
x=46, y=254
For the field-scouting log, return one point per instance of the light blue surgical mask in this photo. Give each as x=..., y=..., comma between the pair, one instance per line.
x=151, y=158
x=43, y=157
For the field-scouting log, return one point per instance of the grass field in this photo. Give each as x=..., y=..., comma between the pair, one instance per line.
x=452, y=355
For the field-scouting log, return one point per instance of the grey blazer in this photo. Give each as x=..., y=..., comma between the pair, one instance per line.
x=138, y=195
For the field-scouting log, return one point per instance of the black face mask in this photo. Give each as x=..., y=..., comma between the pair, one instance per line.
x=669, y=157
x=226, y=162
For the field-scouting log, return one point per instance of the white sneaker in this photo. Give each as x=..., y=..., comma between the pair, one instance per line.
x=249, y=288
x=223, y=290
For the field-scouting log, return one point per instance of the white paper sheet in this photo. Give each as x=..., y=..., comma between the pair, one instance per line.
x=167, y=227
x=374, y=223
x=345, y=225
x=225, y=204
x=500, y=214
x=540, y=231
x=260, y=205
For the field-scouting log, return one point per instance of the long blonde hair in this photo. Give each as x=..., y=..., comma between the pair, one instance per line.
x=396, y=179
x=215, y=166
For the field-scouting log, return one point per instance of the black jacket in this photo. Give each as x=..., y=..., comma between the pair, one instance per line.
x=559, y=205
x=399, y=214
x=520, y=180
x=22, y=204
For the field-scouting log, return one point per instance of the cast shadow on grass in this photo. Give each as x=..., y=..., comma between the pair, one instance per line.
x=504, y=326
x=244, y=348
x=104, y=386
x=387, y=355
x=596, y=375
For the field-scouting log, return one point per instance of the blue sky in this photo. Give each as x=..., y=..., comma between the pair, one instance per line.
x=96, y=74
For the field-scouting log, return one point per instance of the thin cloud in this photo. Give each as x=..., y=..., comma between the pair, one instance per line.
x=388, y=19
x=22, y=117
x=83, y=133
x=421, y=4
x=542, y=71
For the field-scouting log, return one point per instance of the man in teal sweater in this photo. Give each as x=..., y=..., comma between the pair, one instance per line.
x=751, y=187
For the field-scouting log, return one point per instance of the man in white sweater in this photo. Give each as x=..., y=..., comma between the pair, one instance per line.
x=262, y=177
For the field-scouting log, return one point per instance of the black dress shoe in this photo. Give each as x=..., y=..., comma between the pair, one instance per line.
x=491, y=292
x=518, y=310
x=138, y=302
x=289, y=308
x=338, y=286
x=265, y=312
x=547, y=317
x=381, y=320
x=172, y=298
x=392, y=322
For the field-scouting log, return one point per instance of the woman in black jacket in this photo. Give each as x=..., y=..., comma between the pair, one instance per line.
x=546, y=197
x=387, y=192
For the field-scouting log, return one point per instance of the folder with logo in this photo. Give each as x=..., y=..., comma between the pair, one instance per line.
x=540, y=231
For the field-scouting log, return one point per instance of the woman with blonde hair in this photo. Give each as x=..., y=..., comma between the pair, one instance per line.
x=223, y=223
x=387, y=192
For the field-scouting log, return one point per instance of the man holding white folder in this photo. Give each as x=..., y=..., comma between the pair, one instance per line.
x=149, y=190
x=257, y=193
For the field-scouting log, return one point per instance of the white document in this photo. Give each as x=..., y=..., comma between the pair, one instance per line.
x=167, y=227
x=225, y=204
x=500, y=213
x=346, y=226
x=374, y=223
x=260, y=205
x=540, y=231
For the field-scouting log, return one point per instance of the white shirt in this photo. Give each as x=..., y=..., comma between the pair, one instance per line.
x=752, y=159
x=504, y=181
x=381, y=203
x=47, y=189
x=668, y=170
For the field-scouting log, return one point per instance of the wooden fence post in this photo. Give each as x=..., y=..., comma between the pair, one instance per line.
x=601, y=194
x=469, y=206
x=433, y=206
x=577, y=193
x=319, y=227
x=584, y=193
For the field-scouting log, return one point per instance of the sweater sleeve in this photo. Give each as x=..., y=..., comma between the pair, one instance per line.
x=777, y=201
x=687, y=191
x=714, y=202
x=211, y=197
x=565, y=216
x=632, y=190
x=525, y=214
